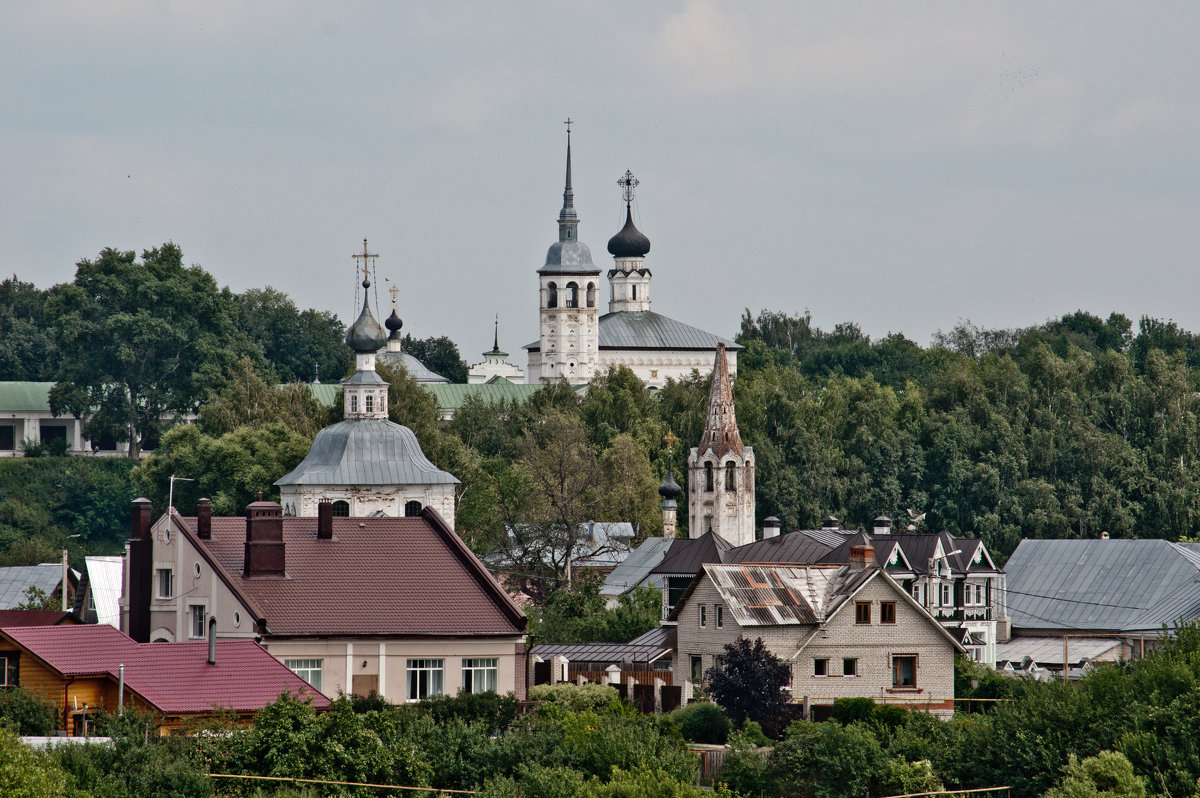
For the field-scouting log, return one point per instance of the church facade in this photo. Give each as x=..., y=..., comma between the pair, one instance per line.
x=576, y=341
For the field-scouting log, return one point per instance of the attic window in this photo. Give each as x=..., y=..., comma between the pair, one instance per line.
x=412, y=508
x=887, y=612
x=862, y=612
x=720, y=617
x=341, y=509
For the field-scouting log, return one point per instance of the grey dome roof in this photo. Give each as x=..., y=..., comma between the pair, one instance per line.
x=569, y=256
x=365, y=335
x=415, y=368
x=630, y=242
x=670, y=488
x=366, y=451
x=393, y=323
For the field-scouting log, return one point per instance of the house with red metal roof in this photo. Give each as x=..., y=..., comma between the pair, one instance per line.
x=395, y=605
x=85, y=668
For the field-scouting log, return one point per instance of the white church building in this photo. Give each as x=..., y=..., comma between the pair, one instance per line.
x=576, y=342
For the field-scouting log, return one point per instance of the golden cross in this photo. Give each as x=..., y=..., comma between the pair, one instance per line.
x=395, y=289
x=670, y=439
x=366, y=256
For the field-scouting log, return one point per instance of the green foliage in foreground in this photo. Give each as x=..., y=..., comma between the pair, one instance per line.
x=26, y=713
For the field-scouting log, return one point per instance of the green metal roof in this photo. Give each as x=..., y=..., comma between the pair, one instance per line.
x=450, y=397
x=25, y=397
x=324, y=393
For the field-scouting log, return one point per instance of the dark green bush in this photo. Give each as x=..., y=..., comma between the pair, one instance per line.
x=26, y=713
x=703, y=722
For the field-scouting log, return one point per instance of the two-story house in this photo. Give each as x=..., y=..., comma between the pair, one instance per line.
x=847, y=631
x=400, y=606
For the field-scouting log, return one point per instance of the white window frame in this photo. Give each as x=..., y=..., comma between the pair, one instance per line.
x=426, y=678
x=309, y=669
x=169, y=573
x=817, y=668
x=703, y=616
x=853, y=666
x=197, y=613
x=481, y=674
x=720, y=616
x=10, y=660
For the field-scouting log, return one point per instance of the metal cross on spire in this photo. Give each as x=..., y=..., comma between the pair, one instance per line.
x=394, y=290
x=568, y=124
x=366, y=256
x=628, y=183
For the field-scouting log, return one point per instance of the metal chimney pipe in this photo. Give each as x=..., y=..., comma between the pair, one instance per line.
x=212, y=641
x=120, y=689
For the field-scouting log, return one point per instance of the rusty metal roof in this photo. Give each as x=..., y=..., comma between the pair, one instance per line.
x=770, y=595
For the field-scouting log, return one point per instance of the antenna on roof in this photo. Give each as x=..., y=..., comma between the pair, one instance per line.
x=171, y=492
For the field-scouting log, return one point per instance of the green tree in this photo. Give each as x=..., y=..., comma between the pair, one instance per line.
x=439, y=355
x=28, y=348
x=826, y=760
x=297, y=344
x=230, y=469
x=140, y=340
x=247, y=400
x=1106, y=775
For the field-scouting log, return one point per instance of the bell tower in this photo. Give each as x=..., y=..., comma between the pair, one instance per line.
x=721, y=469
x=568, y=344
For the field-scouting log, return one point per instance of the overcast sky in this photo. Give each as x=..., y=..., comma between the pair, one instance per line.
x=900, y=165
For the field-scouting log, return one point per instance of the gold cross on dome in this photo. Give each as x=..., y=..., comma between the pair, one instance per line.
x=366, y=256
x=395, y=289
x=670, y=439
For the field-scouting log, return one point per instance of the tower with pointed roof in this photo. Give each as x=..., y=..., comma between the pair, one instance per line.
x=367, y=464
x=721, y=468
x=568, y=343
x=495, y=365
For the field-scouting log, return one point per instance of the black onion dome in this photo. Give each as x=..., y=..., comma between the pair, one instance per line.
x=670, y=488
x=393, y=323
x=365, y=335
x=630, y=242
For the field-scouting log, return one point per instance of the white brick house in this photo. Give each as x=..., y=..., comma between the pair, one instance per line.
x=845, y=631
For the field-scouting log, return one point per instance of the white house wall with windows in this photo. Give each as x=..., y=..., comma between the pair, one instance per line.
x=845, y=631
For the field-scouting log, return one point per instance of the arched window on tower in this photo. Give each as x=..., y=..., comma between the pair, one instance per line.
x=633, y=288
x=412, y=508
x=730, y=476
x=591, y=295
x=708, y=476
x=572, y=296
x=341, y=509
x=552, y=295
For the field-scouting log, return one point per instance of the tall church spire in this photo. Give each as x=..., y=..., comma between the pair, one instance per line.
x=721, y=429
x=568, y=220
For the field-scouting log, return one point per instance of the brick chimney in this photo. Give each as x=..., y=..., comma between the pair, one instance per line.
x=325, y=520
x=141, y=571
x=264, y=540
x=861, y=557
x=204, y=519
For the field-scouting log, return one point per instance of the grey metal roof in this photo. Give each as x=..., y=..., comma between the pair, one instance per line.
x=649, y=330
x=366, y=451
x=634, y=570
x=1049, y=650
x=1102, y=585
x=613, y=653
x=415, y=368
x=569, y=257
x=688, y=555
x=793, y=547
x=664, y=635
x=15, y=579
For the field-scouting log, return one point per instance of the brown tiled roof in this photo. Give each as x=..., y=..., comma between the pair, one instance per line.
x=35, y=617
x=377, y=576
